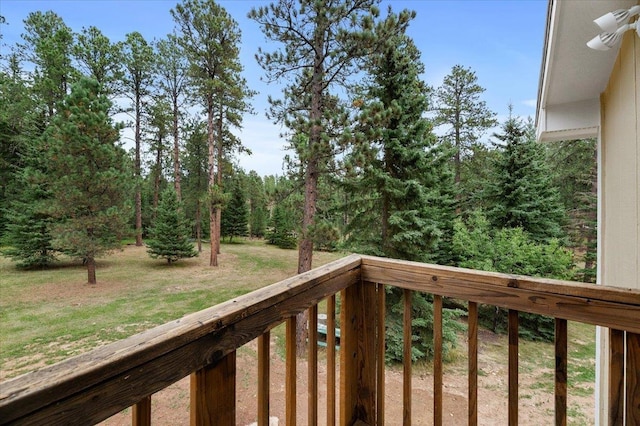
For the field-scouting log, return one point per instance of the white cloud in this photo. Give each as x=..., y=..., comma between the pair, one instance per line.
x=529, y=102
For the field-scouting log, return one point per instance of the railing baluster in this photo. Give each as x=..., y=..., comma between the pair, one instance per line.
x=561, y=372
x=331, y=361
x=357, y=344
x=312, y=368
x=437, y=360
x=513, y=367
x=213, y=393
x=381, y=336
x=264, y=342
x=290, y=374
x=616, y=377
x=406, y=359
x=473, y=363
x=141, y=413
x=633, y=379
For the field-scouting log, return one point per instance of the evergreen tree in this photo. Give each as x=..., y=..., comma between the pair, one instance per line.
x=322, y=44
x=99, y=59
x=522, y=194
x=48, y=44
x=258, y=213
x=172, y=79
x=210, y=39
x=575, y=168
x=462, y=113
x=195, y=162
x=89, y=176
x=406, y=184
x=281, y=228
x=171, y=230
x=402, y=177
x=28, y=239
x=235, y=216
x=137, y=80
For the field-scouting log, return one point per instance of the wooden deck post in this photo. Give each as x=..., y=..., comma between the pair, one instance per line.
x=213, y=393
x=357, y=347
x=141, y=412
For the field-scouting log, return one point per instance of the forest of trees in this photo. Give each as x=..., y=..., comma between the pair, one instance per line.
x=379, y=162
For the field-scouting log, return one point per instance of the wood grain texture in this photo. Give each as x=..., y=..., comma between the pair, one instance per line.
x=357, y=343
x=472, y=394
x=213, y=394
x=331, y=360
x=312, y=368
x=380, y=353
x=597, y=305
x=406, y=357
x=513, y=368
x=616, y=377
x=264, y=356
x=141, y=412
x=117, y=376
x=633, y=379
x=437, y=360
x=561, y=372
x=291, y=377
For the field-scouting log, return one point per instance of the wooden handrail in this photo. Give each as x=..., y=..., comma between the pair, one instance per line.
x=93, y=386
x=156, y=358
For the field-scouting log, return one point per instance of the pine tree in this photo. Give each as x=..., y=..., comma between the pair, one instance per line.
x=258, y=214
x=137, y=80
x=404, y=182
x=462, y=113
x=89, y=176
x=522, y=194
x=210, y=40
x=235, y=215
x=171, y=230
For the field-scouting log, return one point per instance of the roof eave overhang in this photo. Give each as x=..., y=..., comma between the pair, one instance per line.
x=572, y=76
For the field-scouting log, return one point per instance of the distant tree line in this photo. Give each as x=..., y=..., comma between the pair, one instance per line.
x=379, y=162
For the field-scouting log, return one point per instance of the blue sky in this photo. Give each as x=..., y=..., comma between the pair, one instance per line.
x=501, y=40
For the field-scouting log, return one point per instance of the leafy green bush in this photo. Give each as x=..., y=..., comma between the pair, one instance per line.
x=511, y=251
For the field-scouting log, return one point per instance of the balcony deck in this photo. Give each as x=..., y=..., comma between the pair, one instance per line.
x=94, y=386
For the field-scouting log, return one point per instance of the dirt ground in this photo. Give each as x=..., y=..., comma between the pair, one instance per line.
x=171, y=406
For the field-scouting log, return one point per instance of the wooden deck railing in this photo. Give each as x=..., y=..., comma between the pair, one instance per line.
x=92, y=387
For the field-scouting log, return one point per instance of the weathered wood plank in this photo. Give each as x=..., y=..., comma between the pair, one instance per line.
x=607, y=308
x=213, y=394
x=331, y=361
x=312, y=368
x=357, y=343
x=116, y=376
x=633, y=379
x=513, y=368
x=473, y=364
x=381, y=354
x=561, y=372
x=616, y=377
x=406, y=358
x=141, y=412
x=437, y=360
x=264, y=356
x=291, y=376
x=379, y=269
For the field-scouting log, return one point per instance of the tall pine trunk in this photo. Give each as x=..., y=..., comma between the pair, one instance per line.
x=219, y=175
x=213, y=214
x=91, y=270
x=177, y=175
x=305, y=250
x=138, y=196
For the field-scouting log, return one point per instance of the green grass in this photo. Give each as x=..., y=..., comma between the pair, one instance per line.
x=48, y=315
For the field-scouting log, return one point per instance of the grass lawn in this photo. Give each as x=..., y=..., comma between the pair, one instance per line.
x=49, y=315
